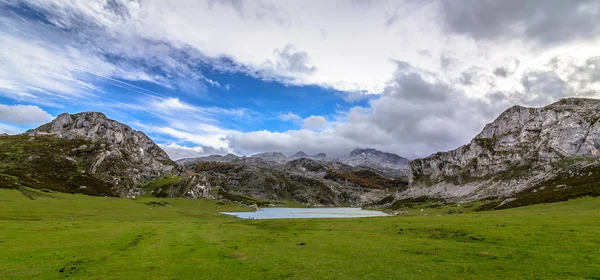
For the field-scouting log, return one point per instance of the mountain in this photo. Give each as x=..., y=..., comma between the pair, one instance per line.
x=376, y=159
x=271, y=156
x=370, y=158
x=254, y=180
x=299, y=155
x=88, y=153
x=527, y=153
x=312, y=180
x=319, y=156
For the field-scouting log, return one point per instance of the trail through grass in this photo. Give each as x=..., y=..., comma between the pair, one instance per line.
x=57, y=236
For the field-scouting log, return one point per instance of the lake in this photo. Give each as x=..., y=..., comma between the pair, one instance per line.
x=296, y=213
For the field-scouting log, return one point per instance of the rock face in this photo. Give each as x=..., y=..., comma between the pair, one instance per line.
x=520, y=149
x=376, y=159
x=122, y=155
x=271, y=156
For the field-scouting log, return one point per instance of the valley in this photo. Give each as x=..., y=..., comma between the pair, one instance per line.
x=301, y=140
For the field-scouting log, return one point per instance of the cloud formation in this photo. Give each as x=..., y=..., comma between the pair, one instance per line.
x=418, y=77
x=544, y=21
x=314, y=122
x=23, y=115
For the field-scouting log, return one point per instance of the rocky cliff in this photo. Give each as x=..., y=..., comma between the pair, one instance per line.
x=517, y=152
x=116, y=154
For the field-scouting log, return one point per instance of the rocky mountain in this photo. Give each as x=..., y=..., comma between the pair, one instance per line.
x=108, y=151
x=251, y=180
x=525, y=151
x=376, y=159
x=272, y=156
x=313, y=180
x=369, y=158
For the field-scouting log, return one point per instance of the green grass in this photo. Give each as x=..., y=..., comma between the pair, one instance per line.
x=55, y=236
x=164, y=184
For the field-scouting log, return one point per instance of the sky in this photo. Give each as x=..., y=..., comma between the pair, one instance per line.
x=207, y=77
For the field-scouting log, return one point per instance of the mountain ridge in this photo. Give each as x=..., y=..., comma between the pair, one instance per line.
x=365, y=157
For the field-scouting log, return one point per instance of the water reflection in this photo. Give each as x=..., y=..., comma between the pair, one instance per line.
x=295, y=213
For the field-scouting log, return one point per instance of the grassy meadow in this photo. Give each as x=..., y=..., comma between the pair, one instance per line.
x=56, y=236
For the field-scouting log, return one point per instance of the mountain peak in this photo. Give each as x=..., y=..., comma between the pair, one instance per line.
x=367, y=151
x=299, y=154
x=376, y=159
x=114, y=152
x=96, y=127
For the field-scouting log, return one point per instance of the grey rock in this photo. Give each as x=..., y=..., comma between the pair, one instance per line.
x=389, y=163
x=521, y=148
x=271, y=156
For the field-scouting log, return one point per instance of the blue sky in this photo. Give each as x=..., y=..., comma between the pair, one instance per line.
x=231, y=76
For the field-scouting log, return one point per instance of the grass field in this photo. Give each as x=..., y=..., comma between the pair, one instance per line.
x=56, y=236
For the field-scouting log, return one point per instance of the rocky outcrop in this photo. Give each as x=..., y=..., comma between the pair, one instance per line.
x=522, y=148
x=271, y=156
x=121, y=155
x=192, y=187
x=376, y=159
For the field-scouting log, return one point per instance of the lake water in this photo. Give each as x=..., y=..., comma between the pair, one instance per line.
x=295, y=213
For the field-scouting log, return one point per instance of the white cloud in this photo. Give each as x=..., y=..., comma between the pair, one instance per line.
x=172, y=103
x=322, y=42
x=289, y=117
x=176, y=151
x=314, y=122
x=9, y=129
x=23, y=114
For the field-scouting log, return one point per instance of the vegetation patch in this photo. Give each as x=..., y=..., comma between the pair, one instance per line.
x=367, y=179
x=244, y=199
x=158, y=203
x=46, y=162
x=422, y=201
x=213, y=166
x=437, y=233
x=487, y=143
x=567, y=185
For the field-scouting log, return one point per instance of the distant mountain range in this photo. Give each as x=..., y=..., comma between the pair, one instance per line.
x=384, y=162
